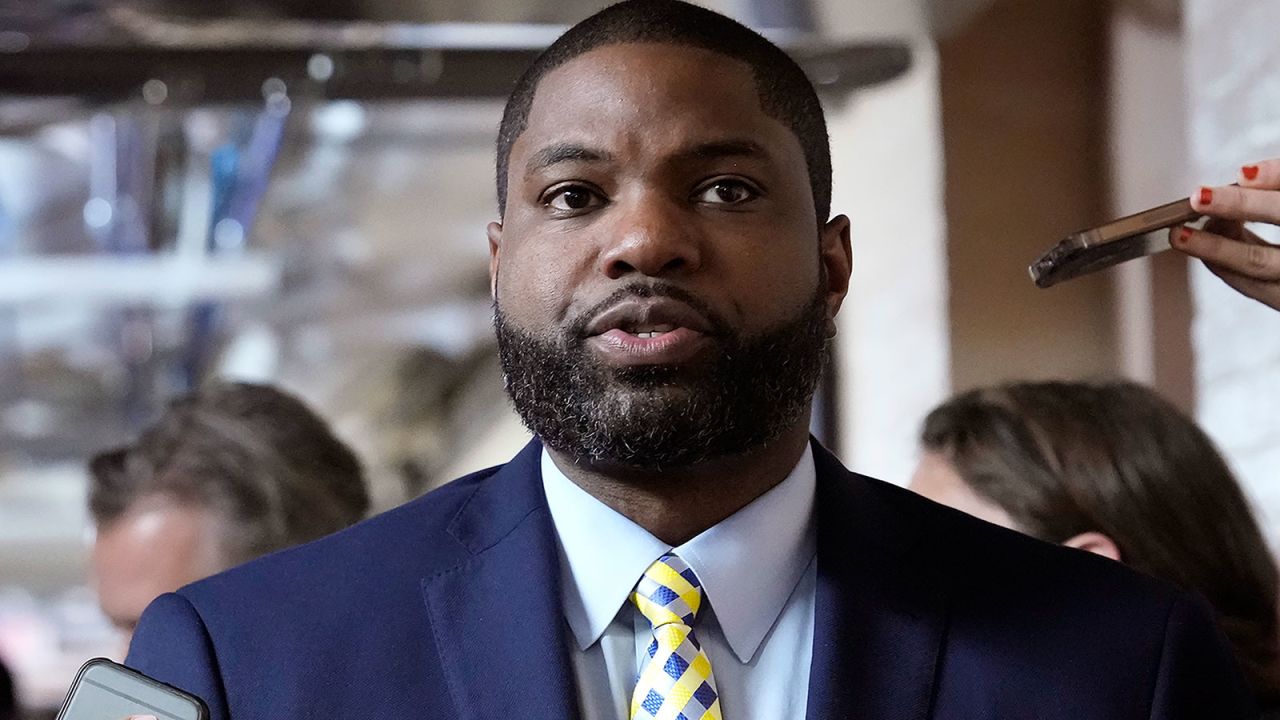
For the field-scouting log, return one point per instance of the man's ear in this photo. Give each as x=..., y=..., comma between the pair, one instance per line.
x=494, y=231
x=836, y=255
x=1096, y=543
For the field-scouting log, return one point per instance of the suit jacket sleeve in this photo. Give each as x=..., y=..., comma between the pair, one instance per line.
x=1198, y=677
x=172, y=645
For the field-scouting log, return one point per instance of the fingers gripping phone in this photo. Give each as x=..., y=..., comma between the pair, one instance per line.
x=104, y=690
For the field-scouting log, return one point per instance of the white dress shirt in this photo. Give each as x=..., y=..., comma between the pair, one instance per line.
x=758, y=574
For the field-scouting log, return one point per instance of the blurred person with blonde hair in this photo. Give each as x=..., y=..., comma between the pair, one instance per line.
x=227, y=474
x=1115, y=470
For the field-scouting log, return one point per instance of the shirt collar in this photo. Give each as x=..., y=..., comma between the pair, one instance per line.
x=749, y=563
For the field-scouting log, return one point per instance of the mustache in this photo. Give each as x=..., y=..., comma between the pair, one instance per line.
x=577, y=330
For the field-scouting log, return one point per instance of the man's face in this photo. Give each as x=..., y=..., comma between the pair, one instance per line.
x=664, y=290
x=156, y=547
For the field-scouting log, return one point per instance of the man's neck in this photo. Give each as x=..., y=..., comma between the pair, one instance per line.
x=676, y=504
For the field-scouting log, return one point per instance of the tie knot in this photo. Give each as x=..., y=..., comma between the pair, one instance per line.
x=668, y=592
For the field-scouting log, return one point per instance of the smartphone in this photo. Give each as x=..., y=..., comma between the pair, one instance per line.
x=104, y=690
x=1101, y=247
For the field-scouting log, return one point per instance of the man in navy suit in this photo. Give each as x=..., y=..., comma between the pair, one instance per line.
x=673, y=544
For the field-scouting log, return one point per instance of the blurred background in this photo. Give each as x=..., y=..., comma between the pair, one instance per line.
x=295, y=192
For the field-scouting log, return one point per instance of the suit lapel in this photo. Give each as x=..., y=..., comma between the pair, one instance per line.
x=496, y=617
x=881, y=603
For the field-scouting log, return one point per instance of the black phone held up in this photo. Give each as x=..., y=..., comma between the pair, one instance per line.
x=104, y=690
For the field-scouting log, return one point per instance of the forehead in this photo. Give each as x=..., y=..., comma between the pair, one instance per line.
x=653, y=94
x=152, y=549
x=172, y=533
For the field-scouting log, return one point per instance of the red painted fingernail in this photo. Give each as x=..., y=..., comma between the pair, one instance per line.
x=1250, y=172
x=1184, y=234
x=1206, y=196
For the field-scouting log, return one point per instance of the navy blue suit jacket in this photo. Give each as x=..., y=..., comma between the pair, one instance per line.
x=448, y=607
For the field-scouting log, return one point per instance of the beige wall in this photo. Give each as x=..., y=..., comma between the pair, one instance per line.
x=892, y=351
x=1149, y=158
x=1024, y=118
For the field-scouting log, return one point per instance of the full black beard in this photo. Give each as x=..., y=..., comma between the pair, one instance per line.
x=660, y=416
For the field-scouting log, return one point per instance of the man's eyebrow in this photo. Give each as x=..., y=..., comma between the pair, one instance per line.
x=563, y=152
x=719, y=149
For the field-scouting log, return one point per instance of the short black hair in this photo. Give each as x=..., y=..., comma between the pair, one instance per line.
x=786, y=93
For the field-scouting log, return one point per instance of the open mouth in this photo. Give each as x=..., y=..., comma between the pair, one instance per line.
x=649, y=331
x=649, y=317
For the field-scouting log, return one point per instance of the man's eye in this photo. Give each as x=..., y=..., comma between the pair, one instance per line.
x=571, y=198
x=727, y=192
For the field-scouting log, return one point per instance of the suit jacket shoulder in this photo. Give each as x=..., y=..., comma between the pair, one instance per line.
x=340, y=627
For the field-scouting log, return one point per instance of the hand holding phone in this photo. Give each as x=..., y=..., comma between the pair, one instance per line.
x=1115, y=242
x=104, y=690
x=1240, y=257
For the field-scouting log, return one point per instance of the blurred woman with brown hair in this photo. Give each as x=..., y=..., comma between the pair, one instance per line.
x=1116, y=470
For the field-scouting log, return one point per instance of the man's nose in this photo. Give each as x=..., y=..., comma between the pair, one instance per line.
x=651, y=237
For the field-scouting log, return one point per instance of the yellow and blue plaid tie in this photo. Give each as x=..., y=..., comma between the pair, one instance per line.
x=676, y=682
